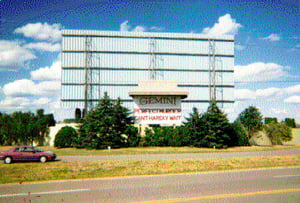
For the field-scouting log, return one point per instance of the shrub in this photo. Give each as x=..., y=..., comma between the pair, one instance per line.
x=165, y=136
x=269, y=120
x=133, y=137
x=239, y=135
x=290, y=122
x=66, y=137
x=278, y=132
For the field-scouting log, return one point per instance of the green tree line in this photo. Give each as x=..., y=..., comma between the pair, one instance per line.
x=110, y=124
x=25, y=128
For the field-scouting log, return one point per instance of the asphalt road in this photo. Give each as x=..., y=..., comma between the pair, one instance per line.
x=268, y=185
x=180, y=156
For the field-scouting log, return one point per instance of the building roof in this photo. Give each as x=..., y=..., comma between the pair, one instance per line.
x=158, y=88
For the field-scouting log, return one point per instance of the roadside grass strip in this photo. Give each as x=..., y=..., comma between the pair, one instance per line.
x=29, y=172
x=157, y=150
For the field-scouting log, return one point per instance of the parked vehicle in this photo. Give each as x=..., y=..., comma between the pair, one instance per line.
x=26, y=153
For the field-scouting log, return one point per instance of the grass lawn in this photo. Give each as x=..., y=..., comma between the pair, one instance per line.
x=156, y=150
x=27, y=172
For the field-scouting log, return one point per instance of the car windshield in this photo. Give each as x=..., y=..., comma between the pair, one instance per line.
x=37, y=149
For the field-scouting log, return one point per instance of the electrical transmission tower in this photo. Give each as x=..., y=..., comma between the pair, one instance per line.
x=153, y=59
x=212, y=70
x=219, y=78
x=215, y=76
x=88, y=74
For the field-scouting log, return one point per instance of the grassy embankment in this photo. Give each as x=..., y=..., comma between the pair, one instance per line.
x=27, y=172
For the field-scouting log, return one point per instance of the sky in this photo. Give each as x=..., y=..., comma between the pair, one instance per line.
x=267, y=46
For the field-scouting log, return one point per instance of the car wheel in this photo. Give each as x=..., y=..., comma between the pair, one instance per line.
x=8, y=160
x=43, y=159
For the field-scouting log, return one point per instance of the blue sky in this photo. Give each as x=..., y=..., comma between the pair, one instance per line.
x=267, y=39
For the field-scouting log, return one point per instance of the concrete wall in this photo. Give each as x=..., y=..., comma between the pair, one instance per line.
x=54, y=130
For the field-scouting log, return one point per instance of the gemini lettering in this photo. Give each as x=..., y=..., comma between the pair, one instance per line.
x=157, y=100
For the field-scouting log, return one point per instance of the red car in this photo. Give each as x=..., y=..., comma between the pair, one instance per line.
x=26, y=153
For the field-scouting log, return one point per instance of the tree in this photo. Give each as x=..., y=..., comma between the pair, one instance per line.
x=195, y=128
x=239, y=135
x=25, y=128
x=66, y=137
x=278, y=132
x=122, y=118
x=210, y=129
x=251, y=119
x=269, y=120
x=132, y=136
x=218, y=128
x=105, y=125
x=6, y=129
x=290, y=122
x=43, y=122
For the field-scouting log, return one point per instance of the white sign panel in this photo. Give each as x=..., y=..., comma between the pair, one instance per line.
x=157, y=109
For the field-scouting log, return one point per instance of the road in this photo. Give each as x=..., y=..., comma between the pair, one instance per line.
x=180, y=156
x=268, y=185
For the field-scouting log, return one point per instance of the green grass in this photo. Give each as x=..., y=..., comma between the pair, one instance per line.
x=28, y=172
x=156, y=150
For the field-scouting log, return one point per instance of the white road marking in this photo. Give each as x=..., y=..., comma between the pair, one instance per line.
x=44, y=193
x=285, y=176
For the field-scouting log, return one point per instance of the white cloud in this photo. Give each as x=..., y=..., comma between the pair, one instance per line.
x=44, y=46
x=157, y=29
x=125, y=26
x=14, y=103
x=278, y=111
x=139, y=28
x=244, y=94
x=272, y=37
x=259, y=72
x=48, y=73
x=23, y=103
x=239, y=47
x=225, y=25
x=269, y=92
x=19, y=88
x=128, y=28
x=48, y=87
x=41, y=31
x=293, y=89
x=55, y=104
x=41, y=101
x=293, y=99
x=13, y=55
x=25, y=87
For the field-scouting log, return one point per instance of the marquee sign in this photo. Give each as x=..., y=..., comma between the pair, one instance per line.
x=157, y=109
